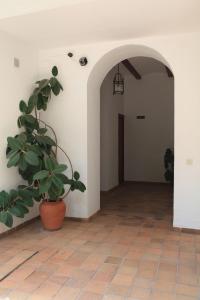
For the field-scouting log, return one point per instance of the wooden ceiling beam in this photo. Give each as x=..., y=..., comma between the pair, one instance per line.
x=131, y=69
x=169, y=72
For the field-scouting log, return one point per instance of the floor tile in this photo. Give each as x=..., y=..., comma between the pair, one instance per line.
x=129, y=251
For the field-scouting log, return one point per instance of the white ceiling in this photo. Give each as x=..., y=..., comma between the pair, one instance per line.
x=11, y=8
x=52, y=23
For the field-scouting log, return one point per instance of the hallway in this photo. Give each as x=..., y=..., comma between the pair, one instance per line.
x=140, y=204
x=129, y=251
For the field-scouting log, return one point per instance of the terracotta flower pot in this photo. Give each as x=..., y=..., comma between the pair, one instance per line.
x=52, y=214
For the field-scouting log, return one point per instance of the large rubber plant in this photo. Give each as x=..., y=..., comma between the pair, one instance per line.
x=34, y=152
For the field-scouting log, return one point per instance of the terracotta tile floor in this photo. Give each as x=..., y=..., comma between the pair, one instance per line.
x=128, y=251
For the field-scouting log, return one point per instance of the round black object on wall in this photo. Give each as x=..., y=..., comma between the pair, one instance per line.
x=83, y=61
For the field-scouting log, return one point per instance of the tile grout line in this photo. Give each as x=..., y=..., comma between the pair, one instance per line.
x=18, y=266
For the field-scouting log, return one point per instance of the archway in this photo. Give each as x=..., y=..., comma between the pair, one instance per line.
x=95, y=79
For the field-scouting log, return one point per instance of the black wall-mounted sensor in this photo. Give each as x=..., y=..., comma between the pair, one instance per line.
x=83, y=61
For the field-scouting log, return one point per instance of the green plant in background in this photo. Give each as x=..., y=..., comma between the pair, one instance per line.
x=169, y=165
x=34, y=153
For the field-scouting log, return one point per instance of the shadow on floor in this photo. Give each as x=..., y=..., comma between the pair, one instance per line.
x=147, y=204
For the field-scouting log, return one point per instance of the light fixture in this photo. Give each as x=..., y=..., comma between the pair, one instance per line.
x=118, y=83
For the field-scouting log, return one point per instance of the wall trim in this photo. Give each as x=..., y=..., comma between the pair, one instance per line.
x=186, y=230
x=111, y=190
x=28, y=222
x=18, y=227
x=147, y=182
x=85, y=220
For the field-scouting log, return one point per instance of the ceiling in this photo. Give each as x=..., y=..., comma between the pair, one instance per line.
x=50, y=23
x=11, y=8
x=144, y=66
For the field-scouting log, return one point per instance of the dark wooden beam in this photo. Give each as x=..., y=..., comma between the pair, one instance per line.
x=131, y=69
x=169, y=72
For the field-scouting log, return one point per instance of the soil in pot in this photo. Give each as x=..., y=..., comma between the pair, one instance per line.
x=52, y=214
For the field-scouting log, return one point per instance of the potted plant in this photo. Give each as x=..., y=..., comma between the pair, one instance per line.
x=34, y=151
x=169, y=165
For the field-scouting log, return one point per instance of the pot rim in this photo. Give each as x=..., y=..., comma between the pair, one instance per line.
x=45, y=201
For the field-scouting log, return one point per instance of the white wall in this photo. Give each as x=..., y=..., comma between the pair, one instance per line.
x=111, y=106
x=78, y=111
x=146, y=140
x=16, y=84
x=67, y=114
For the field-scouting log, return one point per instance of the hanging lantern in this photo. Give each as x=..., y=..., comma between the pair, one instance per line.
x=118, y=83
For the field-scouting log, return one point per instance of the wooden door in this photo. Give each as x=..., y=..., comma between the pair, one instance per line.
x=121, y=148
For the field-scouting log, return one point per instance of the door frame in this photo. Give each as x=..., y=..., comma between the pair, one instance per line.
x=121, y=119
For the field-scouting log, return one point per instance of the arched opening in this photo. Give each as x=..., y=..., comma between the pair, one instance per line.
x=98, y=73
x=136, y=132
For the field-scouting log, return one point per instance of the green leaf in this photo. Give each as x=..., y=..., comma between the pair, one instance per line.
x=54, y=71
x=60, y=86
x=24, y=193
x=42, y=101
x=42, y=83
x=76, y=175
x=22, y=138
x=63, y=178
x=6, y=218
x=22, y=163
x=20, y=121
x=31, y=158
x=26, y=197
x=30, y=119
x=53, y=195
x=16, y=211
x=46, y=91
x=36, y=149
x=59, y=169
x=56, y=89
x=14, y=143
x=11, y=152
x=22, y=106
x=39, y=139
x=13, y=194
x=50, y=163
x=4, y=199
x=80, y=186
x=53, y=81
x=77, y=185
x=41, y=175
x=14, y=158
x=35, y=194
x=28, y=202
x=24, y=209
x=57, y=182
x=47, y=140
x=42, y=130
x=55, y=192
x=44, y=185
x=32, y=102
